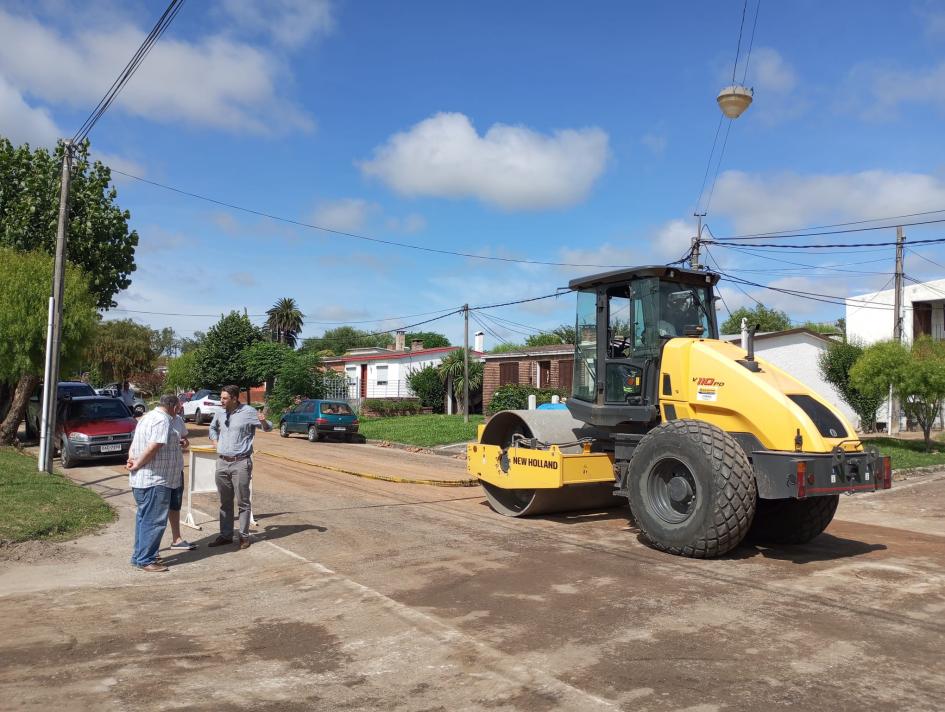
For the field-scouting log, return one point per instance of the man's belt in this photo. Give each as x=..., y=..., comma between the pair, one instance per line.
x=234, y=458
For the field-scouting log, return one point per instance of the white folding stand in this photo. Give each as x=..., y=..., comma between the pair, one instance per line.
x=203, y=478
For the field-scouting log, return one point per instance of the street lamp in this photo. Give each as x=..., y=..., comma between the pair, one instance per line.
x=734, y=99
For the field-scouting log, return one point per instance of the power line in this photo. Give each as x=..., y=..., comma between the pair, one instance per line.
x=164, y=21
x=813, y=296
x=341, y=233
x=841, y=224
x=813, y=232
x=931, y=241
x=923, y=257
x=751, y=42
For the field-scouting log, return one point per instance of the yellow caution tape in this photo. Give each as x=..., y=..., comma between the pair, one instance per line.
x=384, y=478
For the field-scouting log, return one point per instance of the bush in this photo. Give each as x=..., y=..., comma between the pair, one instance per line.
x=429, y=388
x=386, y=407
x=514, y=396
x=298, y=376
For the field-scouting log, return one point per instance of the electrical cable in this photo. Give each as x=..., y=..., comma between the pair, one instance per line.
x=930, y=241
x=841, y=224
x=812, y=232
x=751, y=42
x=813, y=296
x=923, y=257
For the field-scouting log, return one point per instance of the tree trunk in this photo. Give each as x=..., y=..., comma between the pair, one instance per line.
x=21, y=396
x=6, y=394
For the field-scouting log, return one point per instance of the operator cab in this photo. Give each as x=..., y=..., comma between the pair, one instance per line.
x=623, y=320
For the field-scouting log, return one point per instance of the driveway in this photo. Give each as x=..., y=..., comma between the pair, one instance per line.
x=363, y=594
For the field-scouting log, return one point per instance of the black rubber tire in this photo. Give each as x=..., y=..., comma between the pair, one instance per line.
x=66, y=459
x=792, y=521
x=197, y=419
x=722, y=486
x=284, y=429
x=321, y=437
x=313, y=434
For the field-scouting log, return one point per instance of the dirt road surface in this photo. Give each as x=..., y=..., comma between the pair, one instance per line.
x=368, y=595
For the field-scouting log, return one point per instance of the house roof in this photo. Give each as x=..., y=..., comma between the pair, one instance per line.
x=762, y=335
x=397, y=355
x=546, y=350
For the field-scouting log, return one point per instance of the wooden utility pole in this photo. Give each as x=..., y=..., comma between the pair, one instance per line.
x=466, y=363
x=47, y=427
x=893, y=425
x=694, y=255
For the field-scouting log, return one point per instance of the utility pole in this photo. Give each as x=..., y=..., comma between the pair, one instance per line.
x=47, y=427
x=696, y=244
x=893, y=421
x=466, y=363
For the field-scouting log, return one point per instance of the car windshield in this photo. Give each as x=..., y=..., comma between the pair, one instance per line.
x=335, y=409
x=76, y=389
x=96, y=410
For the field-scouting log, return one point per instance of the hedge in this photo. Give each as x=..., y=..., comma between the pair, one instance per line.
x=385, y=407
x=514, y=396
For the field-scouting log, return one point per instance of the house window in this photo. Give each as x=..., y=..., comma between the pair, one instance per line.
x=508, y=373
x=382, y=375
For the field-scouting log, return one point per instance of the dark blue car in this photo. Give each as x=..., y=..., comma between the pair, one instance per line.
x=320, y=418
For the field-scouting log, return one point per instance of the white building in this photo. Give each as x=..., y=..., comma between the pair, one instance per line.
x=922, y=313
x=797, y=353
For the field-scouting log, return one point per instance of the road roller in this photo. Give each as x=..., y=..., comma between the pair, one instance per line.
x=706, y=443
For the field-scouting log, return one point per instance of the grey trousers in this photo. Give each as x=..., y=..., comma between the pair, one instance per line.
x=234, y=477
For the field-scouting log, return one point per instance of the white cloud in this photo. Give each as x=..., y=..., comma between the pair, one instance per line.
x=410, y=223
x=345, y=215
x=153, y=239
x=243, y=279
x=22, y=123
x=512, y=167
x=655, y=142
x=933, y=18
x=770, y=72
x=289, y=22
x=876, y=92
x=760, y=203
x=214, y=82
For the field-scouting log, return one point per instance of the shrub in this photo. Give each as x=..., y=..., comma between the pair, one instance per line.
x=514, y=396
x=387, y=407
x=429, y=388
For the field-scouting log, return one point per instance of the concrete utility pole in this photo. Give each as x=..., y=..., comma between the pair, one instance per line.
x=696, y=244
x=893, y=420
x=47, y=427
x=466, y=363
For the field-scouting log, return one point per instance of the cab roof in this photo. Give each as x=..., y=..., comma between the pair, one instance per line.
x=659, y=271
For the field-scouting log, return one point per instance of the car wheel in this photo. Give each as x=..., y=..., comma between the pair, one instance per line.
x=139, y=411
x=284, y=429
x=321, y=437
x=66, y=458
x=313, y=434
x=197, y=419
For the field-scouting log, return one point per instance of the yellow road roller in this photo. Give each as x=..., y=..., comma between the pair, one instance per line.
x=707, y=443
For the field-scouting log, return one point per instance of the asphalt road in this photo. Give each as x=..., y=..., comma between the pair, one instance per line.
x=360, y=594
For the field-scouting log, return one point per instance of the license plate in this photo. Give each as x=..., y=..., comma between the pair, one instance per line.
x=340, y=427
x=111, y=448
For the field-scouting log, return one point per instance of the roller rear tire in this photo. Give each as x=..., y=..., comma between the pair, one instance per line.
x=692, y=489
x=792, y=521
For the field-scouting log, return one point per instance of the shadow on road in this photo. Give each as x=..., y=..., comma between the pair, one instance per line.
x=825, y=547
x=203, y=551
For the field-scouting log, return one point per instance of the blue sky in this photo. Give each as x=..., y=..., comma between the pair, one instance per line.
x=541, y=131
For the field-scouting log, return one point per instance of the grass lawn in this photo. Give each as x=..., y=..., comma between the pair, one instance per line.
x=910, y=453
x=421, y=430
x=40, y=506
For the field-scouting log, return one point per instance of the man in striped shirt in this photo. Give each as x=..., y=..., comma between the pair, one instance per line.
x=155, y=471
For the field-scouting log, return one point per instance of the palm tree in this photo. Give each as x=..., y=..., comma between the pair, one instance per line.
x=284, y=321
x=451, y=373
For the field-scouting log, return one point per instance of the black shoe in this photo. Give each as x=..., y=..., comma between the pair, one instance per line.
x=221, y=541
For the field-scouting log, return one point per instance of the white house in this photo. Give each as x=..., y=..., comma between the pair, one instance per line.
x=922, y=313
x=796, y=352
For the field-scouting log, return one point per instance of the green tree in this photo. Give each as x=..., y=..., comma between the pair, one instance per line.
x=100, y=242
x=263, y=360
x=916, y=374
x=428, y=387
x=505, y=348
x=543, y=340
x=344, y=338
x=24, y=299
x=284, y=321
x=822, y=327
x=164, y=342
x=221, y=360
x=566, y=333
x=430, y=339
x=835, y=364
x=299, y=375
x=451, y=370
x=187, y=344
x=120, y=348
x=766, y=319
x=182, y=372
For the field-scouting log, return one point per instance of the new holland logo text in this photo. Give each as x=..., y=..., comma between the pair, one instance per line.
x=700, y=381
x=535, y=462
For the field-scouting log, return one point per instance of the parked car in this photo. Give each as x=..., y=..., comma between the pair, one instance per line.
x=319, y=419
x=113, y=390
x=65, y=389
x=93, y=427
x=202, y=406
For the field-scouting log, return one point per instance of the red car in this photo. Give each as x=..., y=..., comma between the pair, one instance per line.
x=93, y=427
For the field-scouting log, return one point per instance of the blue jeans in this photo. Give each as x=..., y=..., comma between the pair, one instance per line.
x=150, y=522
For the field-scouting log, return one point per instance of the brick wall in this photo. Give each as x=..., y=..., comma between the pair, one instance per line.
x=526, y=371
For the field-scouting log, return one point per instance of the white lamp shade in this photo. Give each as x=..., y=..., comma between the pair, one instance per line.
x=733, y=100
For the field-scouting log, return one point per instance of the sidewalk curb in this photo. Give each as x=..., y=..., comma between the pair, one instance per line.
x=419, y=449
